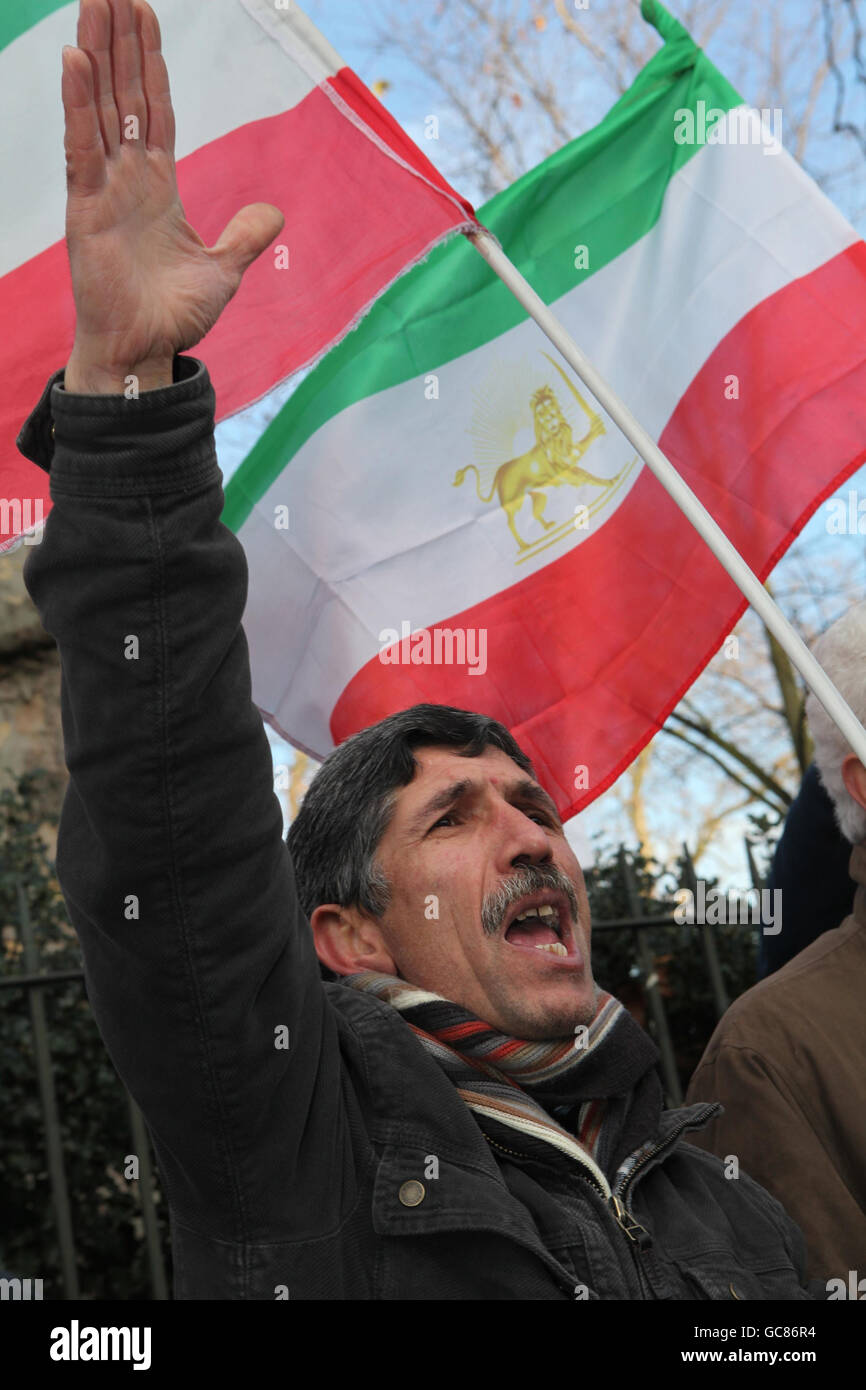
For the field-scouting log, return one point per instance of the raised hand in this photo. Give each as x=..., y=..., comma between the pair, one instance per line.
x=145, y=284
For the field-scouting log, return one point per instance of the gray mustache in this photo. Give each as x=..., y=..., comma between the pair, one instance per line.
x=533, y=878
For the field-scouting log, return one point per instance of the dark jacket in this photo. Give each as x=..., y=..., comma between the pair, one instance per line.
x=286, y=1169
x=810, y=870
x=788, y=1060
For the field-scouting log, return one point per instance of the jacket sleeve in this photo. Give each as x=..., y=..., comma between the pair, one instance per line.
x=764, y=1127
x=199, y=963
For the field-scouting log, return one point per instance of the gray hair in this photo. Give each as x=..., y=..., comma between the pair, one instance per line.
x=841, y=650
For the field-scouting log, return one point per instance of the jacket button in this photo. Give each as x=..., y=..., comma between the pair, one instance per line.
x=411, y=1193
x=52, y=431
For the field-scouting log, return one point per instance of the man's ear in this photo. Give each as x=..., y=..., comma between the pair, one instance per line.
x=348, y=941
x=854, y=777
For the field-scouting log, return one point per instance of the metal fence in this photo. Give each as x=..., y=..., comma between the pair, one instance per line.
x=35, y=981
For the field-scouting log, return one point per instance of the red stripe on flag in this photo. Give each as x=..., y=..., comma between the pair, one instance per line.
x=587, y=657
x=354, y=220
x=382, y=123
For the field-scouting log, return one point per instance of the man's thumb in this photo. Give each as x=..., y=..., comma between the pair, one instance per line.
x=247, y=235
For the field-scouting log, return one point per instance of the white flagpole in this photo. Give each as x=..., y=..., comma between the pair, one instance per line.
x=813, y=674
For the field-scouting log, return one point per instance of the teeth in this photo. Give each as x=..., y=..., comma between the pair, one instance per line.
x=546, y=910
x=555, y=947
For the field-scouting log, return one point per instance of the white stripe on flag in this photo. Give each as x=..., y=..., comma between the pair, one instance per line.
x=224, y=71
x=299, y=39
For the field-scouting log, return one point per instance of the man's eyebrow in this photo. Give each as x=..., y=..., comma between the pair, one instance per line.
x=531, y=791
x=524, y=790
x=440, y=801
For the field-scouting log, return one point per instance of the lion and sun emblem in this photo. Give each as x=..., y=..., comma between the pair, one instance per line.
x=552, y=460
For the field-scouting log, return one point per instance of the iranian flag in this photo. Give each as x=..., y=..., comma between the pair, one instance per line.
x=265, y=111
x=440, y=512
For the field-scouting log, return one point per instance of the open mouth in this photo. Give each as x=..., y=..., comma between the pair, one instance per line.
x=541, y=923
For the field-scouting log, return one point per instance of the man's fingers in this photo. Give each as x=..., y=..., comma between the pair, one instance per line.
x=127, y=72
x=85, y=152
x=160, y=113
x=247, y=235
x=94, y=35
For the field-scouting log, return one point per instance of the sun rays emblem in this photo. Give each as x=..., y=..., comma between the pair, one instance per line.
x=551, y=458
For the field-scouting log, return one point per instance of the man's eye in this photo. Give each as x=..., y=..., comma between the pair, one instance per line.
x=449, y=816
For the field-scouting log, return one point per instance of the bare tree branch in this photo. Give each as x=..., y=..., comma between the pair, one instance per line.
x=755, y=793
x=706, y=731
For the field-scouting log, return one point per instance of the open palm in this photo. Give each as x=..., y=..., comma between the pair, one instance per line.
x=145, y=284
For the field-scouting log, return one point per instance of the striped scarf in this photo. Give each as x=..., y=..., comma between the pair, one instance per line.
x=602, y=1084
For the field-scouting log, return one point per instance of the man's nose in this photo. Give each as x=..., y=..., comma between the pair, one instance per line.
x=523, y=840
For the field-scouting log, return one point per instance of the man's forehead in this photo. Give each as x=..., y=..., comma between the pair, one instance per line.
x=439, y=767
x=436, y=764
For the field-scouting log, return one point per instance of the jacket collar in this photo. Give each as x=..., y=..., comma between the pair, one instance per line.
x=410, y=1100
x=857, y=871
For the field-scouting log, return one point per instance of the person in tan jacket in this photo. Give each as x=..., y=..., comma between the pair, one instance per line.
x=788, y=1060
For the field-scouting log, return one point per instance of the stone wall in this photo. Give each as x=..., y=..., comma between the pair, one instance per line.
x=30, y=729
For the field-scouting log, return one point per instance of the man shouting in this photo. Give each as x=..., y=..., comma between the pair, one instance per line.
x=458, y=1111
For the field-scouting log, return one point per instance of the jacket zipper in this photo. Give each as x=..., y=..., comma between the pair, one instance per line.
x=674, y=1135
x=638, y=1236
x=640, y=1240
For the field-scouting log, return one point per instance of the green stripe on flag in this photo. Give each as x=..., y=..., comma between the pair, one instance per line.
x=453, y=304
x=17, y=16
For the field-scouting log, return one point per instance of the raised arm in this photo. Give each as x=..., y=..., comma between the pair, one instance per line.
x=200, y=965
